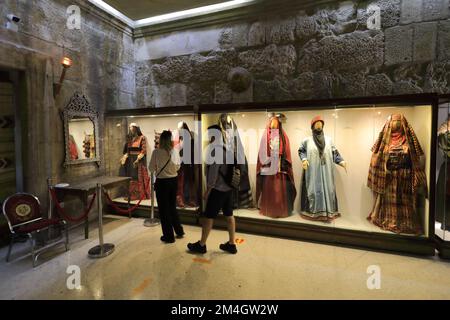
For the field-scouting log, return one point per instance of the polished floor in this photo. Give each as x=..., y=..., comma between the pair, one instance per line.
x=264, y=268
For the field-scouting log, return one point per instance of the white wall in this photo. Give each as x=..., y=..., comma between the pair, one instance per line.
x=177, y=43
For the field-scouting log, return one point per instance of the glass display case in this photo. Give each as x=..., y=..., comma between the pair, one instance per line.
x=442, y=213
x=359, y=172
x=150, y=123
x=350, y=172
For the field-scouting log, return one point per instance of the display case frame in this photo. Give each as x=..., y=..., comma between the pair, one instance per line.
x=442, y=244
x=292, y=230
x=346, y=237
x=186, y=216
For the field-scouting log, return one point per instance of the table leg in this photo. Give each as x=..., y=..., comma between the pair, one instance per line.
x=103, y=249
x=86, y=221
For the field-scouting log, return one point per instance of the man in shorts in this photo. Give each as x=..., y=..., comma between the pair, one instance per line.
x=218, y=196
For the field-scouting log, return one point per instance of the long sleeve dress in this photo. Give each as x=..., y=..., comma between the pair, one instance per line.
x=319, y=200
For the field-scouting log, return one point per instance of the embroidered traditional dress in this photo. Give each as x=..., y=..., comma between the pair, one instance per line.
x=395, y=175
x=242, y=198
x=140, y=181
x=319, y=201
x=275, y=189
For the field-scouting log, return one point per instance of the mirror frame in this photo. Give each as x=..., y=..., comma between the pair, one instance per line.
x=79, y=106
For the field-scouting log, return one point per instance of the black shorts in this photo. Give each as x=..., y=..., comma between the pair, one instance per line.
x=218, y=200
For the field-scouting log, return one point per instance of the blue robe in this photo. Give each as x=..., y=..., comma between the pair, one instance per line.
x=319, y=199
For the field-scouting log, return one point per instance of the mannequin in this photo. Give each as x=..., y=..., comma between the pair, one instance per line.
x=275, y=189
x=134, y=163
x=396, y=177
x=189, y=171
x=242, y=198
x=318, y=153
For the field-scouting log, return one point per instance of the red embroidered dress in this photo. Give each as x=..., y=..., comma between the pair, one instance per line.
x=275, y=189
x=140, y=180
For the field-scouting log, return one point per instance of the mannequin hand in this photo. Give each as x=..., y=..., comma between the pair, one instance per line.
x=123, y=159
x=343, y=164
x=135, y=164
x=305, y=164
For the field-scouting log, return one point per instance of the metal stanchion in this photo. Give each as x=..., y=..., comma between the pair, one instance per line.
x=152, y=222
x=50, y=184
x=103, y=249
x=50, y=200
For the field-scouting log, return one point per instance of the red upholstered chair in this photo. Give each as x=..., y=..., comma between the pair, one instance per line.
x=23, y=214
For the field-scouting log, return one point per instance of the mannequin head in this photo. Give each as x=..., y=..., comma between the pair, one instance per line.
x=317, y=124
x=225, y=121
x=134, y=130
x=396, y=123
x=274, y=123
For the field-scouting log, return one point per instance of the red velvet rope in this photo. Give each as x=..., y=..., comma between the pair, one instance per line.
x=62, y=212
x=115, y=207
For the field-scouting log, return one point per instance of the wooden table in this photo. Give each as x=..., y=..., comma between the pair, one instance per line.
x=88, y=187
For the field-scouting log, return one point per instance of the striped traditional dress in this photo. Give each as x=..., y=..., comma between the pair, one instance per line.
x=395, y=176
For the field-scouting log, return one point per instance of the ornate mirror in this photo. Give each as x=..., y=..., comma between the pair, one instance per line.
x=80, y=131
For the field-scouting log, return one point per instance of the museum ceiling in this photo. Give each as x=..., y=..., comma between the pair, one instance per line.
x=140, y=9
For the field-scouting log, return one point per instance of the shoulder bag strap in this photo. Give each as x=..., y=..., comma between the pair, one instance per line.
x=163, y=167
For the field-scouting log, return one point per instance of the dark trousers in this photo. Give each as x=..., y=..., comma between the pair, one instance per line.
x=166, y=195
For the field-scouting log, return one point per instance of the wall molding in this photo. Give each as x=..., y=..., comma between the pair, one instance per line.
x=258, y=9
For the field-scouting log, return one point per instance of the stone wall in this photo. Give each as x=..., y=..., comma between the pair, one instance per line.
x=325, y=52
x=103, y=70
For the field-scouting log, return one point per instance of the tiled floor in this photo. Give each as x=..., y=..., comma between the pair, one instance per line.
x=264, y=268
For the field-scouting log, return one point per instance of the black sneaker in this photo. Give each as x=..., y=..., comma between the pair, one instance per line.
x=164, y=239
x=231, y=248
x=180, y=236
x=196, y=247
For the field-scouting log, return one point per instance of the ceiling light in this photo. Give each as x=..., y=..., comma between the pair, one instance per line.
x=190, y=13
x=116, y=13
x=169, y=16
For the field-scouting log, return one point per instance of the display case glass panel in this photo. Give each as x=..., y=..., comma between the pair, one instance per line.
x=151, y=126
x=335, y=191
x=442, y=216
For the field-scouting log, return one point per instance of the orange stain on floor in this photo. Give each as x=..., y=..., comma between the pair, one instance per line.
x=239, y=240
x=139, y=289
x=202, y=260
